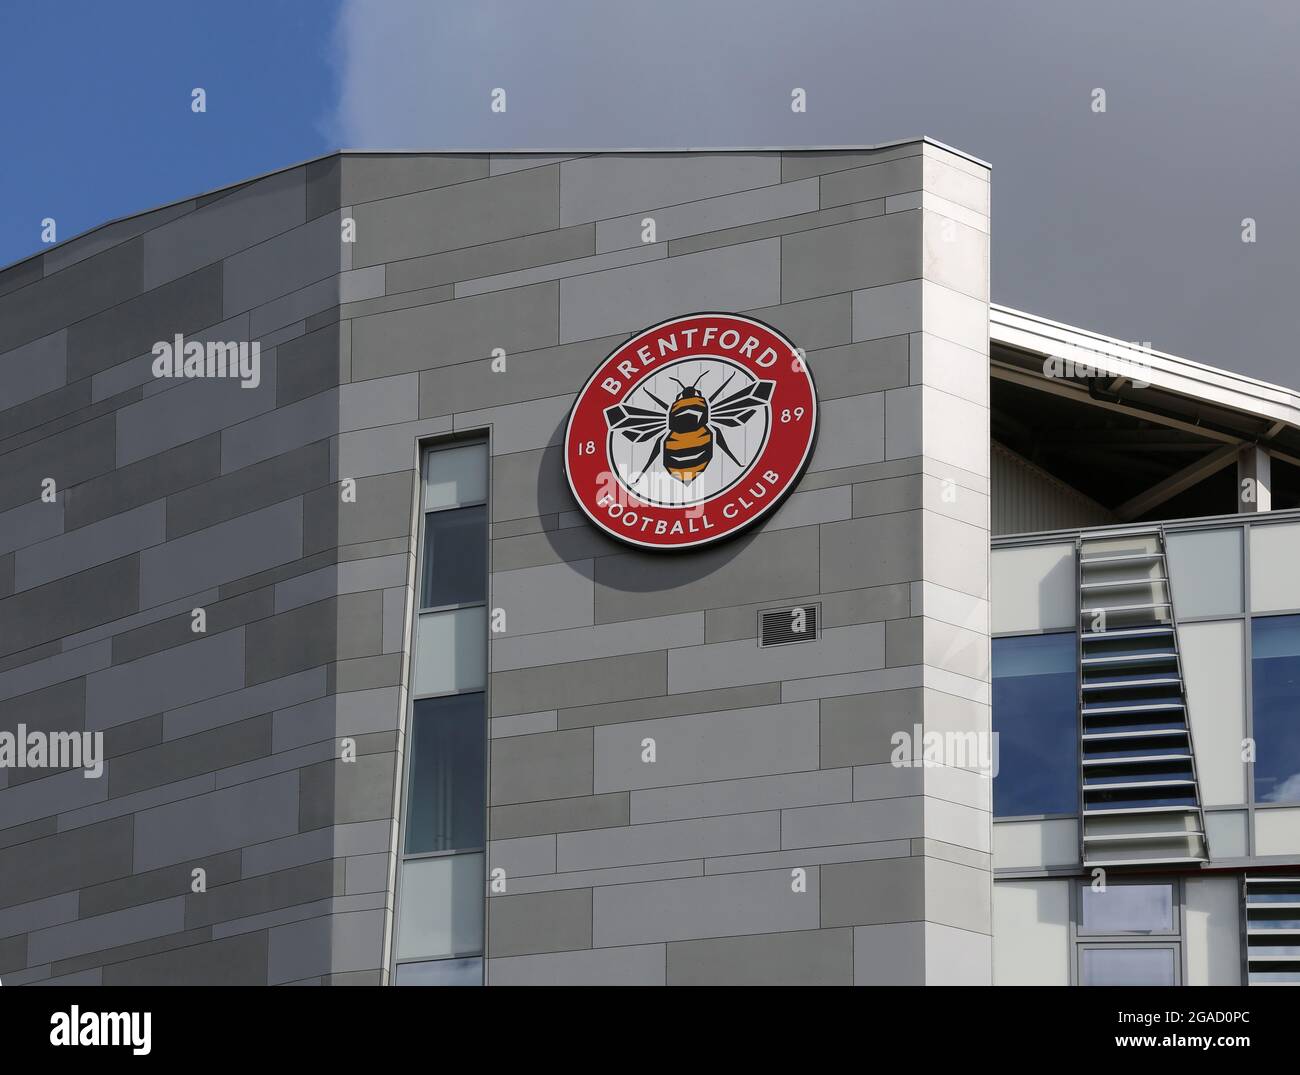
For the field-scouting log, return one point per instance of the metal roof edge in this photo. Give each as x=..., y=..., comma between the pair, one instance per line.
x=1197, y=380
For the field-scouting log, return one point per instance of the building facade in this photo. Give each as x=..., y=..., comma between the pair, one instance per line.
x=285, y=529
x=1192, y=834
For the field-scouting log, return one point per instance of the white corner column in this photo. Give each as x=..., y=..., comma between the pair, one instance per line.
x=1254, y=479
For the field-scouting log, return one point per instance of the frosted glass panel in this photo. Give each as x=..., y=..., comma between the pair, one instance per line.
x=1128, y=909
x=1277, y=832
x=1033, y=588
x=441, y=972
x=451, y=651
x=1127, y=966
x=1274, y=580
x=441, y=911
x=1214, y=664
x=455, y=476
x=1035, y=844
x=1206, y=570
x=1226, y=832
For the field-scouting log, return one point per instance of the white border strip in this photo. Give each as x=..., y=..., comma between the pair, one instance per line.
x=1196, y=380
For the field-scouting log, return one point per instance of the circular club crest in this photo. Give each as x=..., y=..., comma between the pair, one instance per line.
x=691, y=431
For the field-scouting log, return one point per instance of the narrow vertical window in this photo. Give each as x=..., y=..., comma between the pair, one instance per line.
x=441, y=887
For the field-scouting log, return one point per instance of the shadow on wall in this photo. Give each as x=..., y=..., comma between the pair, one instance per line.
x=1033, y=589
x=636, y=571
x=1056, y=593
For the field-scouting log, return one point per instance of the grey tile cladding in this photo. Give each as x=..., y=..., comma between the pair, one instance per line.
x=739, y=853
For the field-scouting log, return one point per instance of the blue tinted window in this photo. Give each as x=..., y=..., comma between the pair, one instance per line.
x=1035, y=698
x=455, y=557
x=447, y=792
x=1275, y=669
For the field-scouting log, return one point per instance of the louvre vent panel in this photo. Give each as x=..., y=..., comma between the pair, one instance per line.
x=1137, y=768
x=1272, y=929
x=782, y=626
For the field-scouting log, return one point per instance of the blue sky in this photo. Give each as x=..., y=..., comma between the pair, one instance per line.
x=1127, y=223
x=95, y=118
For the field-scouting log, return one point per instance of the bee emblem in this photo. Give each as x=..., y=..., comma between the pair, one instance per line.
x=686, y=430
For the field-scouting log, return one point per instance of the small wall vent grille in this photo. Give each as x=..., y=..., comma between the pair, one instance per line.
x=782, y=626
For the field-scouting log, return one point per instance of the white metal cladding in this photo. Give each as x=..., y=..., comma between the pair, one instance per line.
x=1026, y=498
x=1038, y=335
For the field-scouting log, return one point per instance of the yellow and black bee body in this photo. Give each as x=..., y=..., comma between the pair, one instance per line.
x=686, y=430
x=688, y=448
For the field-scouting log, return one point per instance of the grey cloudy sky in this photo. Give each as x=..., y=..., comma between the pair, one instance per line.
x=1127, y=223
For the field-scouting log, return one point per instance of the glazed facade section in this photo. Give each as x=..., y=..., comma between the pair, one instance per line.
x=1237, y=599
x=406, y=303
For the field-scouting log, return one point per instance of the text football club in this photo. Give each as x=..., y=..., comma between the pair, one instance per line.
x=691, y=431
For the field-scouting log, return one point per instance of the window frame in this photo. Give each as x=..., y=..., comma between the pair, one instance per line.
x=1081, y=940
x=408, y=765
x=420, y=696
x=1129, y=944
x=1078, y=782
x=446, y=959
x=422, y=450
x=479, y=953
x=422, y=609
x=1252, y=788
x=1083, y=885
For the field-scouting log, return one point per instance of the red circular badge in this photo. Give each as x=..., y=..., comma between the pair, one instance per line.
x=691, y=431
